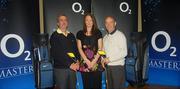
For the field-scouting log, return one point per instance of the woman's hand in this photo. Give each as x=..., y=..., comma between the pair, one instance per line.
x=93, y=63
x=88, y=64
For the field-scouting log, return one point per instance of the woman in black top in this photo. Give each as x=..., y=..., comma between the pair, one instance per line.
x=89, y=41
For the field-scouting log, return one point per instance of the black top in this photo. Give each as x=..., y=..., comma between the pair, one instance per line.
x=60, y=46
x=89, y=41
x=89, y=46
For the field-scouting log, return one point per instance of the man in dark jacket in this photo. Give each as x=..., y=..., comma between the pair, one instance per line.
x=62, y=41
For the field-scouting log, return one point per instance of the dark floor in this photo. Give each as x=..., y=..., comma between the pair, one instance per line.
x=153, y=87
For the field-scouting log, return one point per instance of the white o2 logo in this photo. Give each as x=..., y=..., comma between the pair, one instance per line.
x=77, y=4
x=167, y=44
x=21, y=47
x=126, y=9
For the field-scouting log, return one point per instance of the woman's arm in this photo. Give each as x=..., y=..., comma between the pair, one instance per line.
x=100, y=47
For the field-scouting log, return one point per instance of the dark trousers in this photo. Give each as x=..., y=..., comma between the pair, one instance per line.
x=116, y=77
x=92, y=80
x=65, y=78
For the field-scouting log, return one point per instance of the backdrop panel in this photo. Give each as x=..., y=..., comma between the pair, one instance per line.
x=17, y=22
x=74, y=9
x=125, y=12
x=161, y=22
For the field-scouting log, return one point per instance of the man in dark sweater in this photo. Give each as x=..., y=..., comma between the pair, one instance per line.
x=62, y=42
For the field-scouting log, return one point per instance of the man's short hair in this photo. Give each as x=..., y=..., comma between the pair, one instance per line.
x=112, y=17
x=59, y=15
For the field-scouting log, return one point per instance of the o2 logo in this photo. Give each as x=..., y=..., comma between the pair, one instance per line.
x=20, y=50
x=124, y=7
x=79, y=6
x=167, y=44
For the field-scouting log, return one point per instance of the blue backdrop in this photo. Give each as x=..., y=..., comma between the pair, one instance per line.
x=17, y=23
x=161, y=22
